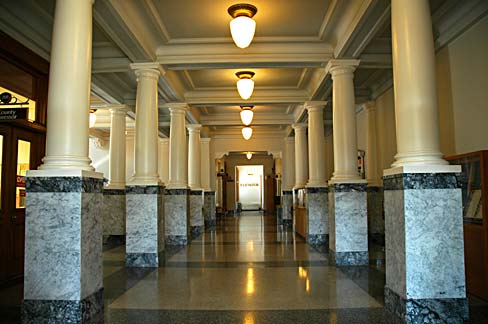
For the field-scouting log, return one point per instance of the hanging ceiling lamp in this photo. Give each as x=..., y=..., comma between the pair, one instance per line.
x=246, y=115
x=249, y=155
x=242, y=27
x=93, y=118
x=246, y=133
x=245, y=84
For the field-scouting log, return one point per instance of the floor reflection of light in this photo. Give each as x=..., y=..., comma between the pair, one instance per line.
x=250, y=281
x=249, y=319
x=307, y=285
x=333, y=318
x=302, y=273
x=250, y=246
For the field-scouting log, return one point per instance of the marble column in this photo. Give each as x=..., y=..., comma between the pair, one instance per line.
x=425, y=278
x=376, y=221
x=208, y=193
x=301, y=166
x=63, y=279
x=177, y=204
x=114, y=193
x=347, y=191
x=194, y=180
x=163, y=160
x=288, y=183
x=144, y=192
x=317, y=191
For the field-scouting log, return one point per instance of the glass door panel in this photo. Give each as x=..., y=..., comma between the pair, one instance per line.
x=23, y=164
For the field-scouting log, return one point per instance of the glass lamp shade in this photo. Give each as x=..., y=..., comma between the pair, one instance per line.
x=249, y=155
x=246, y=116
x=245, y=87
x=93, y=119
x=247, y=133
x=242, y=29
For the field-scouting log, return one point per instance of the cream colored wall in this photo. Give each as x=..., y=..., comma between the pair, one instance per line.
x=466, y=60
x=385, y=130
x=329, y=156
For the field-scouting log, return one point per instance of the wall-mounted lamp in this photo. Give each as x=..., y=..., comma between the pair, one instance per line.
x=242, y=27
x=249, y=155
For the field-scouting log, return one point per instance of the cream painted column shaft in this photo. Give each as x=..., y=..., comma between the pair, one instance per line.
x=69, y=87
x=205, y=163
x=194, y=158
x=344, y=120
x=178, y=163
x=146, y=133
x=289, y=164
x=301, y=155
x=117, y=159
x=372, y=172
x=163, y=162
x=417, y=124
x=316, y=144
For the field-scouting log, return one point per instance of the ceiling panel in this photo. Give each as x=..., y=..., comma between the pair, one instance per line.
x=237, y=109
x=209, y=18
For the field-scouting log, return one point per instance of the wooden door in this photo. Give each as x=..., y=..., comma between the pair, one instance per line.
x=21, y=150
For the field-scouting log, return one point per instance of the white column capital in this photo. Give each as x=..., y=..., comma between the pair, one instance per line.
x=290, y=139
x=341, y=67
x=118, y=109
x=369, y=106
x=177, y=107
x=313, y=106
x=164, y=140
x=149, y=69
x=194, y=128
x=301, y=127
x=205, y=140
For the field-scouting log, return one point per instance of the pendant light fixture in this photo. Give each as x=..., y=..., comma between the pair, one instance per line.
x=249, y=155
x=246, y=115
x=245, y=84
x=246, y=133
x=242, y=27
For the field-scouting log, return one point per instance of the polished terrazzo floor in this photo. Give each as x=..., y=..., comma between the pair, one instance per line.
x=246, y=271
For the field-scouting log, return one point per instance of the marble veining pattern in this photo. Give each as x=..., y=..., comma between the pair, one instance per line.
x=404, y=181
x=63, y=241
x=317, y=211
x=114, y=213
x=63, y=184
x=376, y=221
x=287, y=206
x=348, y=219
x=176, y=211
x=145, y=226
x=196, y=208
x=434, y=244
x=209, y=208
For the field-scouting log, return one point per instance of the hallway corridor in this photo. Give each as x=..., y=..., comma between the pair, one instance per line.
x=247, y=271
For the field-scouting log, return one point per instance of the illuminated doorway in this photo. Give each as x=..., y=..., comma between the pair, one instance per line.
x=249, y=187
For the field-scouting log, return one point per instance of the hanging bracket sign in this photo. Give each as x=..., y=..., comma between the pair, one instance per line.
x=9, y=114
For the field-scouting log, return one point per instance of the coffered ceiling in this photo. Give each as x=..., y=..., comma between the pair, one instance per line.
x=191, y=40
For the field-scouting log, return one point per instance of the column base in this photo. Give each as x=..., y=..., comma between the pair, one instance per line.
x=144, y=260
x=177, y=216
x=349, y=258
x=288, y=224
x=420, y=311
x=317, y=204
x=318, y=239
x=195, y=231
x=145, y=236
x=63, y=311
x=209, y=209
x=114, y=209
x=176, y=240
